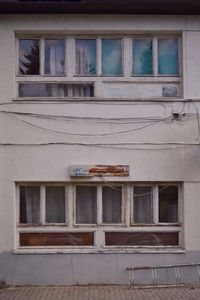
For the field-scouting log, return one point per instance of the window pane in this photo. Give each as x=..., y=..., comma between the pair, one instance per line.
x=168, y=56
x=30, y=204
x=36, y=239
x=112, y=202
x=54, y=57
x=142, y=57
x=86, y=204
x=143, y=204
x=55, y=204
x=86, y=57
x=111, y=57
x=83, y=90
x=141, y=239
x=168, y=204
x=43, y=90
x=34, y=89
x=29, y=59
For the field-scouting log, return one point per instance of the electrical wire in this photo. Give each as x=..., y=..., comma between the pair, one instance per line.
x=88, y=119
x=103, y=146
x=86, y=134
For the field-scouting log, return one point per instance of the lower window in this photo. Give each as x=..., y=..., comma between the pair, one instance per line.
x=99, y=215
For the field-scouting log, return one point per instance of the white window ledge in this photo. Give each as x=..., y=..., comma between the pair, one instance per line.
x=92, y=250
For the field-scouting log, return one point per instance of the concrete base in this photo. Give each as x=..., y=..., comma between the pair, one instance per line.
x=70, y=269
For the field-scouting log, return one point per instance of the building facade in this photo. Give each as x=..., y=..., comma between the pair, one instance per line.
x=99, y=141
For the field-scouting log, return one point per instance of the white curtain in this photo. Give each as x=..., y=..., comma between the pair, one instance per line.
x=32, y=203
x=82, y=59
x=56, y=58
x=112, y=204
x=143, y=205
x=80, y=90
x=58, y=90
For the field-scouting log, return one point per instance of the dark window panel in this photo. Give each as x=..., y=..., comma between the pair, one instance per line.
x=55, y=204
x=141, y=239
x=168, y=204
x=57, y=239
x=86, y=204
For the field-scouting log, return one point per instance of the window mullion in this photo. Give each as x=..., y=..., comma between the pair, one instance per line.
x=70, y=54
x=71, y=200
x=17, y=60
x=127, y=56
x=155, y=56
x=42, y=204
x=66, y=53
x=127, y=198
x=18, y=204
x=99, y=205
x=155, y=205
x=42, y=56
x=99, y=56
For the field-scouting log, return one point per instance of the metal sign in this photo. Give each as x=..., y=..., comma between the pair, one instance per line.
x=99, y=170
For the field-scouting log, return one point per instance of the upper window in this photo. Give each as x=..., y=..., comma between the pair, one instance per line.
x=86, y=66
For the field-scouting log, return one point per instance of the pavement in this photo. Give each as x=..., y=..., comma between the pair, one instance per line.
x=100, y=293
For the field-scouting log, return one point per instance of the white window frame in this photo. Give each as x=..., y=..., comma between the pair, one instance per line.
x=99, y=230
x=155, y=194
x=43, y=221
x=98, y=80
x=154, y=40
x=99, y=202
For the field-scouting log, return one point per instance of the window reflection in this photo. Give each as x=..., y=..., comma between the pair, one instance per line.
x=29, y=60
x=168, y=56
x=111, y=57
x=142, y=57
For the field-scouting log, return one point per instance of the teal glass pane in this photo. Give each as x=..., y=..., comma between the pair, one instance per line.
x=142, y=57
x=111, y=57
x=168, y=56
x=85, y=57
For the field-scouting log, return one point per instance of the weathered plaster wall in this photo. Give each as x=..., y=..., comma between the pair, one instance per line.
x=35, y=162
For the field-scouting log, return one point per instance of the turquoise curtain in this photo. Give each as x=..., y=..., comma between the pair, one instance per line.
x=111, y=57
x=142, y=57
x=168, y=56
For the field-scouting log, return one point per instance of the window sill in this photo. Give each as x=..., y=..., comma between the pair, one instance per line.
x=95, y=99
x=94, y=250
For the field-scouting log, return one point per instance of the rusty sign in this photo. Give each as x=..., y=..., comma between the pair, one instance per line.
x=99, y=170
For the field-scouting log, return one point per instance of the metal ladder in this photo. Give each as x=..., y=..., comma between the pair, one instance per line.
x=155, y=277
